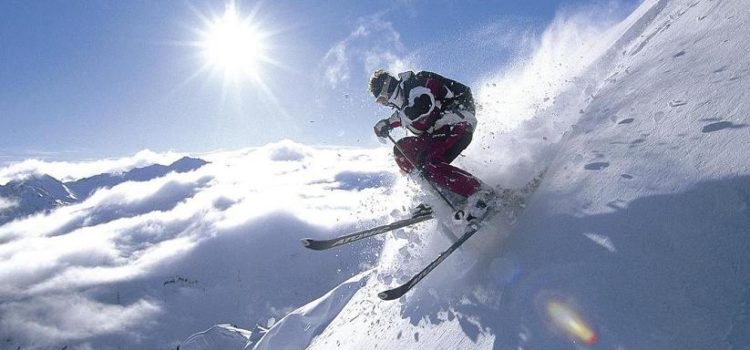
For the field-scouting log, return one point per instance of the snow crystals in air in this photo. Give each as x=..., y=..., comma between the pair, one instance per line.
x=650, y=112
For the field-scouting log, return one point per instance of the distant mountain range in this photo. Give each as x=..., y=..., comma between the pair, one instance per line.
x=43, y=192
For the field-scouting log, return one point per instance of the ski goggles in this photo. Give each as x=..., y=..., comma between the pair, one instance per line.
x=384, y=96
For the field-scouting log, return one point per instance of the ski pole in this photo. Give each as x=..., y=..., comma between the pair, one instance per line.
x=421, y=173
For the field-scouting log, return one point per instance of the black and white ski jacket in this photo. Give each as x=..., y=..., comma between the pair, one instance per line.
x=427, y=102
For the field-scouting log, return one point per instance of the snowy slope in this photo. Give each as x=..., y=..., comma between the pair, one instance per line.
x=637, y=238
x=31, y=195
x=639, y=230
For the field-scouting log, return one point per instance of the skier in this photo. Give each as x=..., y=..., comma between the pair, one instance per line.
x=440, y=112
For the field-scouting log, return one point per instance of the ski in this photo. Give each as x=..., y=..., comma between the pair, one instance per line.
x=508, y=202
x=423, y=214
x=399, y=291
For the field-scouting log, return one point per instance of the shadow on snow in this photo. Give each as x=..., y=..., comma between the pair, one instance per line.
x=674, y=274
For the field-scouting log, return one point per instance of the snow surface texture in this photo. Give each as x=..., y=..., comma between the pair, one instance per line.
x=221, y=336
x=640, y=226
x=639, y=229
x=298, y=328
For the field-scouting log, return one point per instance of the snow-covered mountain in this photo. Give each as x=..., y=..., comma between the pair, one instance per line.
x=85, y=187
x=39, y=193
x=637, y=237
x=34, y=194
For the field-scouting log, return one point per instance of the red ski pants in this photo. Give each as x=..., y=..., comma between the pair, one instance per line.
x=434, y=152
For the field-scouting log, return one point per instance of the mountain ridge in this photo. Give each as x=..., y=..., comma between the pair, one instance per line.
x=42, y=193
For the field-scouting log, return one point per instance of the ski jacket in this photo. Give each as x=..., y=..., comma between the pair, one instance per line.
x=427, y=102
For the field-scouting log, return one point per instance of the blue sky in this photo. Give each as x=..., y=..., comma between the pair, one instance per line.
x=84, y=79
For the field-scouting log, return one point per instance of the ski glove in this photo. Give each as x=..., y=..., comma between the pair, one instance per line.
x=382, y=128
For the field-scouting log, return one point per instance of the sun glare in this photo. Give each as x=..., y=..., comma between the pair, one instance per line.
x=234, y=45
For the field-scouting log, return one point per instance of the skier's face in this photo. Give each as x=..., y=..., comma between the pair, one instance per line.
x=384, y=96
x=382, y=100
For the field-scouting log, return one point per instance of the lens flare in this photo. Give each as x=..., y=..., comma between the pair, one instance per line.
x=568, y=320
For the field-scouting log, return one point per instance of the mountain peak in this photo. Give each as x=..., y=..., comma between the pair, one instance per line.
x=39, y=192
x=35, y=193
x=34, y=179
x=41, y=183
x=186, y=164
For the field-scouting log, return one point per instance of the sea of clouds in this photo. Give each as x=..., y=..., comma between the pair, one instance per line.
x=149, y=262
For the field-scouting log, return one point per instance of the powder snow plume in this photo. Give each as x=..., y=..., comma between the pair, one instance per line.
x=526, y=107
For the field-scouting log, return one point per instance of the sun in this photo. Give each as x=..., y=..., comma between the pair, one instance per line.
x=234, y=46
x=240, y=49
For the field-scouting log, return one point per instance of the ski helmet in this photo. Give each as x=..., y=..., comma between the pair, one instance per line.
x=382, y=86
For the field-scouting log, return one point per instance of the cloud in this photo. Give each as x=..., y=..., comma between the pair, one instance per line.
x=66, y=171
x=68, y=317
x=7, y=203
x=288, y=151
x=62, y=271
x=373, y=44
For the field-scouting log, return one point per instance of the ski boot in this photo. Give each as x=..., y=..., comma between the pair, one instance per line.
x=477, y=205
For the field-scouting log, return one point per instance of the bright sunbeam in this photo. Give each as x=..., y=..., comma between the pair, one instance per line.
x=237, y=47
x=234, y=46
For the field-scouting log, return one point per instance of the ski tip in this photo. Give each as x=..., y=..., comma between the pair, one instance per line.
x=392, y=294
x=310, y=243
